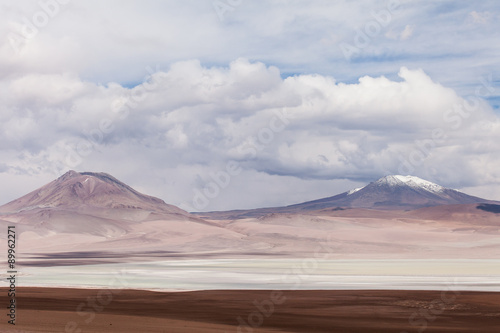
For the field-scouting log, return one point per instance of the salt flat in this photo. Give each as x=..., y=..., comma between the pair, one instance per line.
x=283, y=274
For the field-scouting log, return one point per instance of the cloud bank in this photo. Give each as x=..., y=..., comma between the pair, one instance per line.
x=255, y=105
x=184, y=125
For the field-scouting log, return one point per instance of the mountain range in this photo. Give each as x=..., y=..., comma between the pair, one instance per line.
x=392, y=192
x=94, y=216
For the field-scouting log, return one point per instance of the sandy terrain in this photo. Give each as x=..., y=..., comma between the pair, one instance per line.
x=54, y=310
x=426, y=234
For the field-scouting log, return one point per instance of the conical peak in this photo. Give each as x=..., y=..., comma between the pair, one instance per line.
x=105, y=177
x=68, y=175
x=89, y=190
x=102, y=176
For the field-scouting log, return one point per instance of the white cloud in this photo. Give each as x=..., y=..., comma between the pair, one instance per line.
x=191, y=120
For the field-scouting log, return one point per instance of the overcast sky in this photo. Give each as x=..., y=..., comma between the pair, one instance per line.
x=215, y=105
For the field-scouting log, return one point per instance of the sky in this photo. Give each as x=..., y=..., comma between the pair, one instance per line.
x=233, y=104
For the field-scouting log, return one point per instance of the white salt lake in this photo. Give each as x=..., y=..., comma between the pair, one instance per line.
x=279, y=274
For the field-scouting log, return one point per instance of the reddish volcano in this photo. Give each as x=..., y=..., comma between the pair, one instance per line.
x=88, y=190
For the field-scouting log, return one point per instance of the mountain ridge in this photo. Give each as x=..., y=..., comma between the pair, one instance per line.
x=392, y=192
x=97, y=214
x=74, y=190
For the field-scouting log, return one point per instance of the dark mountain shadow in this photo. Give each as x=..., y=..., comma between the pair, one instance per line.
x=489, y=208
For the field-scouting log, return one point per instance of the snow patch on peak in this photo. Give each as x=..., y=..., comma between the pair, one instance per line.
x=354, y=191
x=412, y=181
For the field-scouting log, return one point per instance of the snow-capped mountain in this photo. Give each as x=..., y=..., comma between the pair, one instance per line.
x=411, y=181
x=394, y=192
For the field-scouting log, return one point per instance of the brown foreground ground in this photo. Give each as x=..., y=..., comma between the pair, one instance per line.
x=88, y=310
